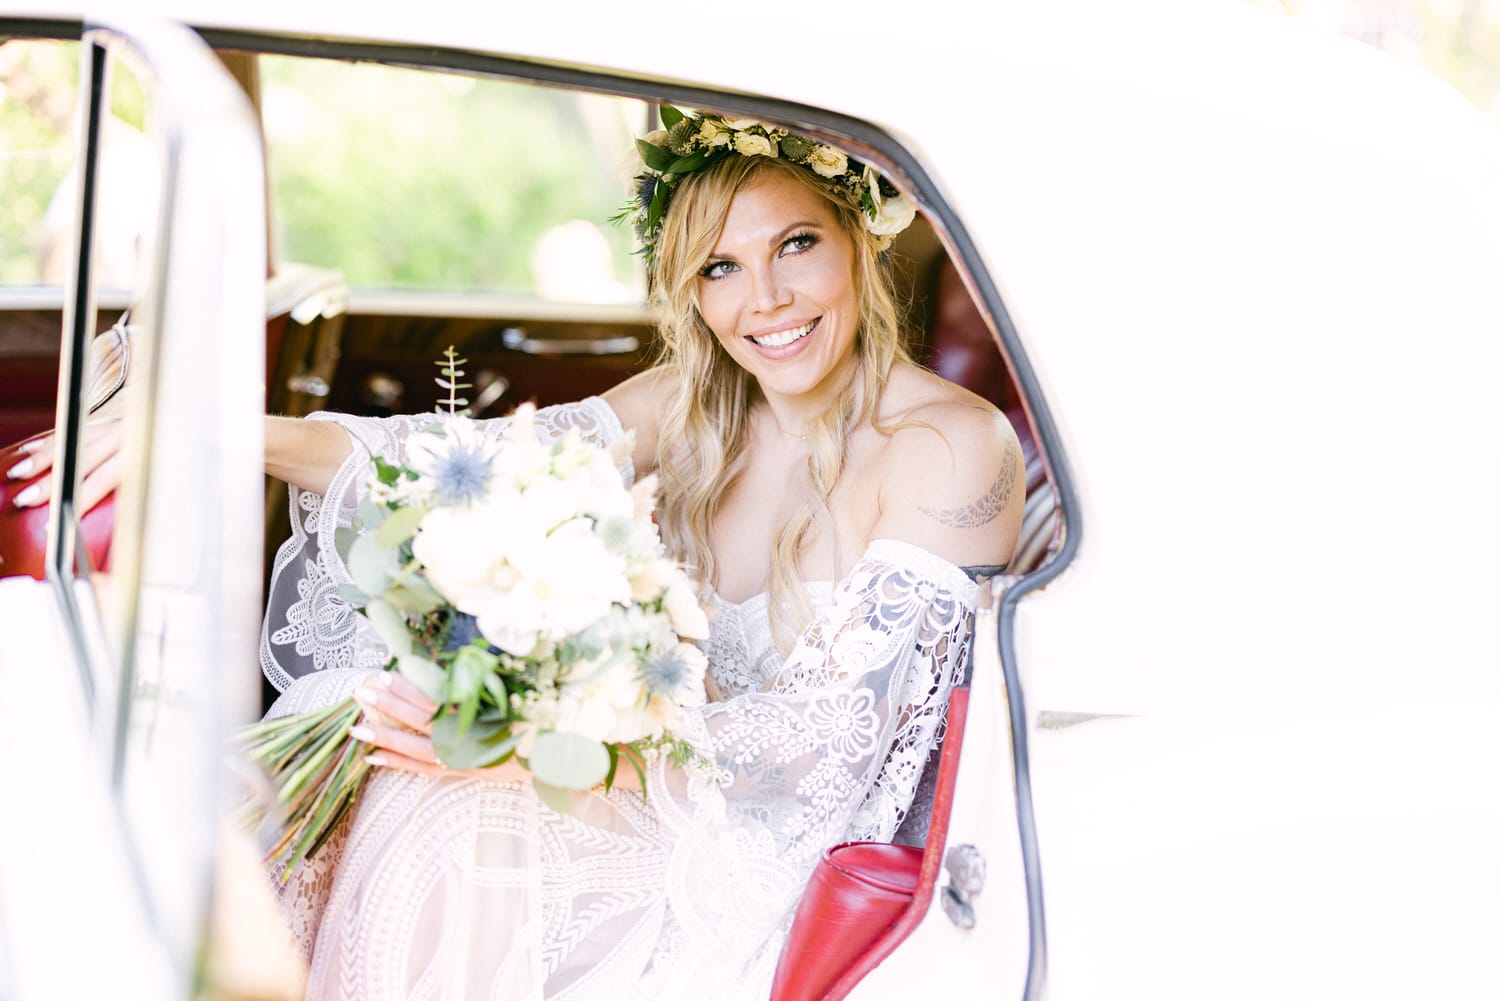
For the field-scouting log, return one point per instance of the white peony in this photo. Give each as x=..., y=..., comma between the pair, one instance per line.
x=827, y=161
x=464, y=550
x=565, y=581
x=750, y=144
x=711, y=133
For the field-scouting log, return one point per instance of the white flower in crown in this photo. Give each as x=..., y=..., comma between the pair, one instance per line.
x=741, y=124
x=893, y=214
x=712, y=133
x=827, y=161
x=750, y=144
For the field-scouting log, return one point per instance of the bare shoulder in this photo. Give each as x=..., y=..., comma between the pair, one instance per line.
x=638, y=402
x=951, y=474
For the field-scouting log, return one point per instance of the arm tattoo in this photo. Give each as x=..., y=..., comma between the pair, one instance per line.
x=987, y=508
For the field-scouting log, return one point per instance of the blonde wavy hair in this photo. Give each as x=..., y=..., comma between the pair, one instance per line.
x=706, y=422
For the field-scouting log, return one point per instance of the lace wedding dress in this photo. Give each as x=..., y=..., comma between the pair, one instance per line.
x=469, y=888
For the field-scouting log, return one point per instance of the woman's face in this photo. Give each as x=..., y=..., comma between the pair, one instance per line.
x=778, y=290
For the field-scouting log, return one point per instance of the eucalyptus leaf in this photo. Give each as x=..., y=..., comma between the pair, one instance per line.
x=423, y=673
x=670, y=116
x=400, y=526
x=343, y=538
x=371, y=515
x=560, y=800
x=568, y=760
x=414, y=596
x=481, y=745
x=353, y=595
x=390, y=626
x=656, y=158
x=372, y=565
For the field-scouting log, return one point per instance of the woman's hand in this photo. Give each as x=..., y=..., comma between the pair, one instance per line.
x=388, y=699
x=99, y=455
x=398, y=721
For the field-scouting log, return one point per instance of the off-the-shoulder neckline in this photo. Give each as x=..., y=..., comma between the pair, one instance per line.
x=939, y=569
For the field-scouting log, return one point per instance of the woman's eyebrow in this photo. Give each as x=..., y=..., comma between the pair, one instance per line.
x=779, y=238
x=774, y=241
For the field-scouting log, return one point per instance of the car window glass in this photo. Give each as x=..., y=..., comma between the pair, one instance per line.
x=38, y=103
x=404, y=179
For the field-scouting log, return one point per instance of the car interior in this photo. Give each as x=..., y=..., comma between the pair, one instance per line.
x=342, y=335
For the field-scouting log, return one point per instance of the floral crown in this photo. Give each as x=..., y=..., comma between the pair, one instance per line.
x=688, y=144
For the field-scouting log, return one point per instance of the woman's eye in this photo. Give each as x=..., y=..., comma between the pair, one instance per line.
x=717, y=270
x=799, y=243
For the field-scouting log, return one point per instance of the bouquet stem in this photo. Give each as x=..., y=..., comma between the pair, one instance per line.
x=316, y=770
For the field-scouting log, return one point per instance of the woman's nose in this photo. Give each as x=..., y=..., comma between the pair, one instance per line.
x=770, y=291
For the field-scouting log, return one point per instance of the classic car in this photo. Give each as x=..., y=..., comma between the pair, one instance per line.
x=1232, y=282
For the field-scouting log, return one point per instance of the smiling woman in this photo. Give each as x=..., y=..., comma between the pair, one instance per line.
x=811, y=478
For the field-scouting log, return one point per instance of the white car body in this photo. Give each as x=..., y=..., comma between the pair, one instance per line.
x=1252, y=270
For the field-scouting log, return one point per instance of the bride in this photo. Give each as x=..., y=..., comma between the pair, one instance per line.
x=836, y=501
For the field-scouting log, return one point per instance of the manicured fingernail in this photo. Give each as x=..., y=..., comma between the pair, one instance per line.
x=362, y=733
x=36, y=445
x=20, y=470
x=30, y=497
x=381, y=680
x=378, y=760
x=365, y=697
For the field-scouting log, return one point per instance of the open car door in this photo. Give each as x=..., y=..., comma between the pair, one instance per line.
x=120, y=685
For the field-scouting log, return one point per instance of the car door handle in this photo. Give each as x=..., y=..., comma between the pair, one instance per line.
x=516, y=339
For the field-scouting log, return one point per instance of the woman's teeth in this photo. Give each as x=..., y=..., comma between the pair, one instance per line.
x=782, y=338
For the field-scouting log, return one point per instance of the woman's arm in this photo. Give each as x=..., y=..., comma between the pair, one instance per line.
x=303, y=453
x=638, y=402
x=954, y=483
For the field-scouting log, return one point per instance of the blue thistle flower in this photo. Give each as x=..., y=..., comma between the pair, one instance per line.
x=666, y=674
x=462, y=630
x=462, y=475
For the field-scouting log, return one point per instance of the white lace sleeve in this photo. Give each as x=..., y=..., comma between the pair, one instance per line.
x=308, y=627
x=833, y=751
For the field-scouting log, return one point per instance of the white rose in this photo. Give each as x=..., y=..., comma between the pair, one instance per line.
x=657, y=138
x=892, y=215
x=711, y=133
x=684, y=611
x=653, y=579
x=741, y=124
x=750, y=144
x=827, y=161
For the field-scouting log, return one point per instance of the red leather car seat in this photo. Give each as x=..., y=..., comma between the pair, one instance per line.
x=23, y=531
x=865, y=898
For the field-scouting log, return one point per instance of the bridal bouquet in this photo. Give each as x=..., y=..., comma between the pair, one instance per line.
x=525, y=589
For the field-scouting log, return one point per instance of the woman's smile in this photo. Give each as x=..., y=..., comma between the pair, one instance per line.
x=785, y=342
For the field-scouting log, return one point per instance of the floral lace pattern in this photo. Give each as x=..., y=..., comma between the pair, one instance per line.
x=456, y=888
